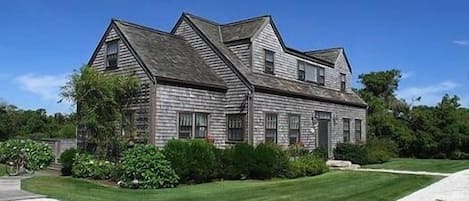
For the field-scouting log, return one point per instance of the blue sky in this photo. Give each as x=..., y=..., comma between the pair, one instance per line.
x=42, y=42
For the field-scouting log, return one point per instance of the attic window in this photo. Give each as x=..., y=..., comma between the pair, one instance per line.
x=112, y=50
x=269, y=62
x=311, y=73
x=342, y=82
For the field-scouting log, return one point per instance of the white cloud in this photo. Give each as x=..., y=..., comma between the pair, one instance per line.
x=406, y=75
x=46, y=86
x=431, y=94
x=461, y=42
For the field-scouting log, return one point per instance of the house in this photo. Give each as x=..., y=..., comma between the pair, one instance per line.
x=235, y=82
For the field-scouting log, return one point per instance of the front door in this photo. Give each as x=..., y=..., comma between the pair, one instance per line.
x=323, y=135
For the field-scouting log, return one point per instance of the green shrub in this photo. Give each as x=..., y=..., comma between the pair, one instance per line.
x=380, y=150
x=459, y=155
x=320, y=153
x=67, y=159
x=38, y=155
x=307, y=165
x=87, y=166
x=355, y=153
x=269, y=161
x=144, y=166
x=237, y=161
x=296, y=150
x=193, y=160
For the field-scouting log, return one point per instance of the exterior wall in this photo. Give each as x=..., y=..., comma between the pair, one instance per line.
x=58, y=146
x=243, y=52
x=173, y=99
x=282, y=105
x=341, y=66
x=285, y=65
x=127, y=65
x=236, y=101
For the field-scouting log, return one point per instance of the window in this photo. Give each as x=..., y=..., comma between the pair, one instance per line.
x=128, y=119
x=342, y=82
x=346, y=125
x=185, y=125
x=235, y=127
x=358, y=130
x=269, y=62
x=293, y=128
x=310, y=73
x=301, y=70
x=201, y=124
x=271, y=127
x=193, y=125
x=112, y=50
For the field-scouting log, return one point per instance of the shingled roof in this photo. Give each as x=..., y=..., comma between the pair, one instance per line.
x=168, y=57
x=211, y=32
x=330, y=54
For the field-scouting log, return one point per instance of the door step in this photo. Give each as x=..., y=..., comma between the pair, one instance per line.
x=339, y=164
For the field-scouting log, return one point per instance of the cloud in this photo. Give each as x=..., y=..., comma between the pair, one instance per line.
x=406, y=75
x=461, y=42
x=431, y=94
x=46, y=86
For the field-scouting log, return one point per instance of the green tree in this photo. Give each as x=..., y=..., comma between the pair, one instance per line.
x=101, y=102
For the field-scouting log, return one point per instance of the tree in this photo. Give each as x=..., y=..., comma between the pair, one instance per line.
x=101, y=102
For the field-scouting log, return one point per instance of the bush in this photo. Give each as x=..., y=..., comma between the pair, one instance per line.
x=269, y=161
x=380, y=150
x=459, y=155
x=38, y=155
x=67, y=159
x=86, y=166
x=193, y=160
x=355, y=153
x=144, y=166
x=296, y=150
x=307, y=165
x=237, y=161
x=320, y=153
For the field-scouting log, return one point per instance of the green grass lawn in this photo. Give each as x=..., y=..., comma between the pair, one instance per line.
x=430, y=165
x=335, y=185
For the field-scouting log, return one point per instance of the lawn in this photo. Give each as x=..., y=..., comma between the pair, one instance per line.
x=430, y=165
x=335, y=185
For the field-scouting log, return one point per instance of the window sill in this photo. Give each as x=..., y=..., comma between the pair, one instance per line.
x=111, y=68
x=234, y=142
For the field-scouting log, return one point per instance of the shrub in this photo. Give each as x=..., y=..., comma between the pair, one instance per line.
x=320, y=153
x=269, y=161
x=87, y=166
x=355, y=153
x=380, y=150
x=459, y=155
x=237, y=161
x=144, y=166
x=67, y=159
x=193, y=160
x=38, y=155
x=307, y=165
x=296, y=150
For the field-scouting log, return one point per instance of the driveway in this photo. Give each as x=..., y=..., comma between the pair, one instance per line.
x=452, y=188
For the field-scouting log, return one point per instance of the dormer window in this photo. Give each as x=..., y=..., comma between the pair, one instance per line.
x=343, y=82
x=269, y=62
x=311, y=73
x=112, y=50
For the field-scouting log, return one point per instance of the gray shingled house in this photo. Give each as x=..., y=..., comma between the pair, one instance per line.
x=235, y=82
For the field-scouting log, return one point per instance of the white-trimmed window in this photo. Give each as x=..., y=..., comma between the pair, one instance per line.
x=358, y=130
x=235, y=127
x=269, y=61
x=346, y=129
x=192, y=125
x=112, y=51
x=271, y=127
x=293, y=128
x=311, y=73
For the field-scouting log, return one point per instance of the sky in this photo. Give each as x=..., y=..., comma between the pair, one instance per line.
x=43, y=42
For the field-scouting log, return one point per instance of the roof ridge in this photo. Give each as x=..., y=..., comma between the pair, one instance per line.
x=138, y=26
x=245, y=20
x=324, y=50
x=201, y=18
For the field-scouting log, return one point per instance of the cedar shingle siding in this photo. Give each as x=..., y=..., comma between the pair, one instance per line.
x=218, y=69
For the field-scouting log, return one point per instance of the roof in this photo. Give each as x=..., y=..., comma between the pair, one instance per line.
x=330, y=54
x=168, y=57
x=210, y=31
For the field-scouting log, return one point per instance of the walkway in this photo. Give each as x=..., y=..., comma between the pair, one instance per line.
x=10, y=189
x=452, y=188
x=404, y=172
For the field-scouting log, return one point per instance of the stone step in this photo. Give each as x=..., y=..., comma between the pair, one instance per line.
x=55, y=167
x=339, y=163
